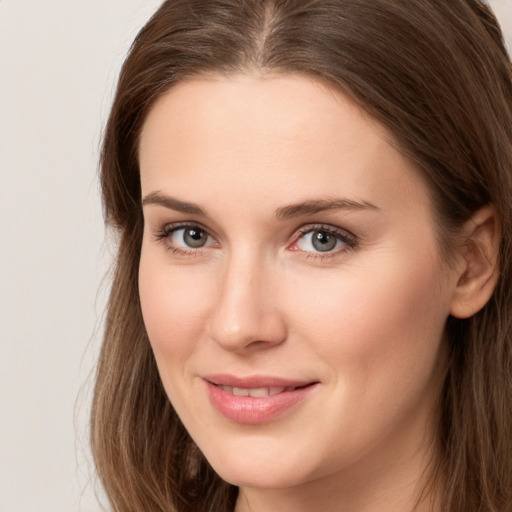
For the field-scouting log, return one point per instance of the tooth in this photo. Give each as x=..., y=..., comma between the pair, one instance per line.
x=240, y=392
x=228, y=389
x=275, y=390
x=257, y=392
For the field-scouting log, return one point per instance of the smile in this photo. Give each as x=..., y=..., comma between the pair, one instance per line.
x=257, y=399
x=257, y=392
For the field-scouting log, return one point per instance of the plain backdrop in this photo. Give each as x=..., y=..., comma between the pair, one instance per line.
x=58, y=64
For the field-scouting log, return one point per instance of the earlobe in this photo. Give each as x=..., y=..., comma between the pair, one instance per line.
x=479, y=263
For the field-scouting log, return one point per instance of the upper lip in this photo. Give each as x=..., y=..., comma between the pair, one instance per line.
x=255, y=381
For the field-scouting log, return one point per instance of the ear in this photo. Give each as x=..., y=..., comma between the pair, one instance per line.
x=479, y=263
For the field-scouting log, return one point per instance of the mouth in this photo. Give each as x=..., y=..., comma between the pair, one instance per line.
x=260, y=392
x=255, y=399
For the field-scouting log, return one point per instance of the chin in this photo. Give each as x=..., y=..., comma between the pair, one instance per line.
x=273, y=467
x=244, y=474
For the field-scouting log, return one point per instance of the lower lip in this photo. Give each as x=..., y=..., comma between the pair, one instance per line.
x=253, y=410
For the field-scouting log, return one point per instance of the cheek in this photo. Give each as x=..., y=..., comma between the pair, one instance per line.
x=379, y=336
x=376, y=322
x=173, y=304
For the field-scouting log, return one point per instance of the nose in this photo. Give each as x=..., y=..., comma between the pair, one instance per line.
x=247, y=315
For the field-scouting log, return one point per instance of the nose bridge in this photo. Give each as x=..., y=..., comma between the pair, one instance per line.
x=246, y=314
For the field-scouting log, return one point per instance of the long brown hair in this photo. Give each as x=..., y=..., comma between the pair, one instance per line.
x=434, y=72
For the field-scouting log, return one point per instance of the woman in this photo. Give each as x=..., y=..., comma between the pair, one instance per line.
x=311, y=303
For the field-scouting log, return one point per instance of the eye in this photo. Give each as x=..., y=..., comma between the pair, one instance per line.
x=323, y=239
x=183, y=238
x=193, y=237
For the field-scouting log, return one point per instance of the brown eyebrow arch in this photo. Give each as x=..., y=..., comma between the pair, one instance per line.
x=316, y=206
x=283, y=213
x=174, y=204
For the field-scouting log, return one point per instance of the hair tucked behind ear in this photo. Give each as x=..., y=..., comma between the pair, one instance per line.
x=437, y=75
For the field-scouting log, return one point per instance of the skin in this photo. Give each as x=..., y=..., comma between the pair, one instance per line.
x=365, y=320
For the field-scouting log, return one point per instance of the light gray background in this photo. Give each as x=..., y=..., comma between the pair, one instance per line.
x=58, y=65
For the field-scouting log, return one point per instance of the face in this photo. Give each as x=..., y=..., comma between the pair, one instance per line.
x=290, y=281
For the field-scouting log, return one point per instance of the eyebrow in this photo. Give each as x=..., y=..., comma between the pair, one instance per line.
x=174, y=204
x=316, y=206
x=282, y=213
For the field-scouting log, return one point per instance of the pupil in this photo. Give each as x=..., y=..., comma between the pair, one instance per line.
x=194, y=237
x=323, y=241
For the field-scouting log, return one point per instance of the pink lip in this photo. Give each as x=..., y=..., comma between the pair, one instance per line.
x=253, y=410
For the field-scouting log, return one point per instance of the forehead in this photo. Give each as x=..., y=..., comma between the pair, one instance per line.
x=272, y=136
x=276, y=109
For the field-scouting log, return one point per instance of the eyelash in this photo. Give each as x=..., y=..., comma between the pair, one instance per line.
x=166, y=231
x=349, y=240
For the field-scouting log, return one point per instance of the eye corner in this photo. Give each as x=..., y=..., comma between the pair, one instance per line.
x=334, y=241
x=192, y=241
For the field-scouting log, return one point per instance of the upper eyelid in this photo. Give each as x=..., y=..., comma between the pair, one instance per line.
x=168, y=230
x=175, y=226
x=306, y=228
x=350, y=240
